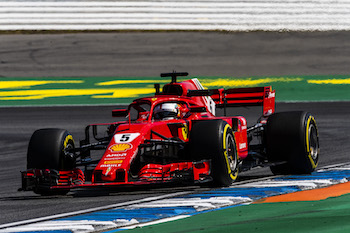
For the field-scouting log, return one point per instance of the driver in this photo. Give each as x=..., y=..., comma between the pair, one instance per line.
x=166, y=111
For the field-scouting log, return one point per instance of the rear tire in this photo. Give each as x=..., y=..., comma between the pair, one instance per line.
x=48, y=149
x=292, y=137
x=215, y=140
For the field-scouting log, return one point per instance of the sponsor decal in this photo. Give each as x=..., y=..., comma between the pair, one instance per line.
x=113, y=161
x=111, y=165
x=116, y=155
x=242, y=145
x=272, y=95
x=125, y=137
x=120, y=147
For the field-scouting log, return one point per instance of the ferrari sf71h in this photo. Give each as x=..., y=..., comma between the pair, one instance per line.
x=174, y=136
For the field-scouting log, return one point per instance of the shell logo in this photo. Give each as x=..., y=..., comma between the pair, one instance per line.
x=120, y=147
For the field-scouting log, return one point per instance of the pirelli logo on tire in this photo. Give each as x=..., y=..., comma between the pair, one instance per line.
x=66, y=140
x=233, y=173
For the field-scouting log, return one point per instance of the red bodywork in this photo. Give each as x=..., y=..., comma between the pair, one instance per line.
x=135, y=136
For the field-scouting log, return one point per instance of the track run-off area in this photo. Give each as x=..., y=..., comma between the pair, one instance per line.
x=183, y=205
x=107, y=90
x=308, y=70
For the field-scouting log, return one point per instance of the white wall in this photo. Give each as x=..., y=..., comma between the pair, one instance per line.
x=226, y=15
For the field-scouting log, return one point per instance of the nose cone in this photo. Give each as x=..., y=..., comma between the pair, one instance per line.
x=108, y=174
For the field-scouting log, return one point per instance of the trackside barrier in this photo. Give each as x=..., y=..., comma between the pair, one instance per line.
x=226, y=15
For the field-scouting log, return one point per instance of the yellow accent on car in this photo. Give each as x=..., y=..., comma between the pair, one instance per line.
x=66, y=140
x=308, y=143
x=113, y=162
x=232, y=175
x=184, y=130
x=120, y=147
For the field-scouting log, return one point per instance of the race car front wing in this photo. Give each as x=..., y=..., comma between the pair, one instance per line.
x=183, y=172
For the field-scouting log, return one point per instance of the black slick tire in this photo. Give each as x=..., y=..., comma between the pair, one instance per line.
x=48, y=150
x=292, y=137
x=215, y=140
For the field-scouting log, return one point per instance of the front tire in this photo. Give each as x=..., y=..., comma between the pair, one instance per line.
x=292, y=137
x=51, y=149
x=215, y=140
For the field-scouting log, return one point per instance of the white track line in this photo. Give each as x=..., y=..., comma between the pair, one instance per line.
x=206, y=204
x=92, y=210
x=156, y=222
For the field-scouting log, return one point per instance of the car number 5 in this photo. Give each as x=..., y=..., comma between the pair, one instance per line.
x=125, y=138
x=122, y=138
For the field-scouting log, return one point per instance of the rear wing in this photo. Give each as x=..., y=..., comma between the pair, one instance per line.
x=240, y=97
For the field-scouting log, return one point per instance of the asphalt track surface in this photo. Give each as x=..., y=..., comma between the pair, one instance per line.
x=199, y=53
x=17, y=125
x=102, y=55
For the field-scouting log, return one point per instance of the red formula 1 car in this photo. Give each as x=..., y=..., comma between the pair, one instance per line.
x=174, y=136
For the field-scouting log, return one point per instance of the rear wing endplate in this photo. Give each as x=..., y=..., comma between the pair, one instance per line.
x=240, y=97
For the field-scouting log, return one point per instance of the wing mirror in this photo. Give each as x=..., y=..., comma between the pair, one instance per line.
x=119, y=112
x=198, y=109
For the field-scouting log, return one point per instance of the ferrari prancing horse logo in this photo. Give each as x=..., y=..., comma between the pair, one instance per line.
x=185, y=131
